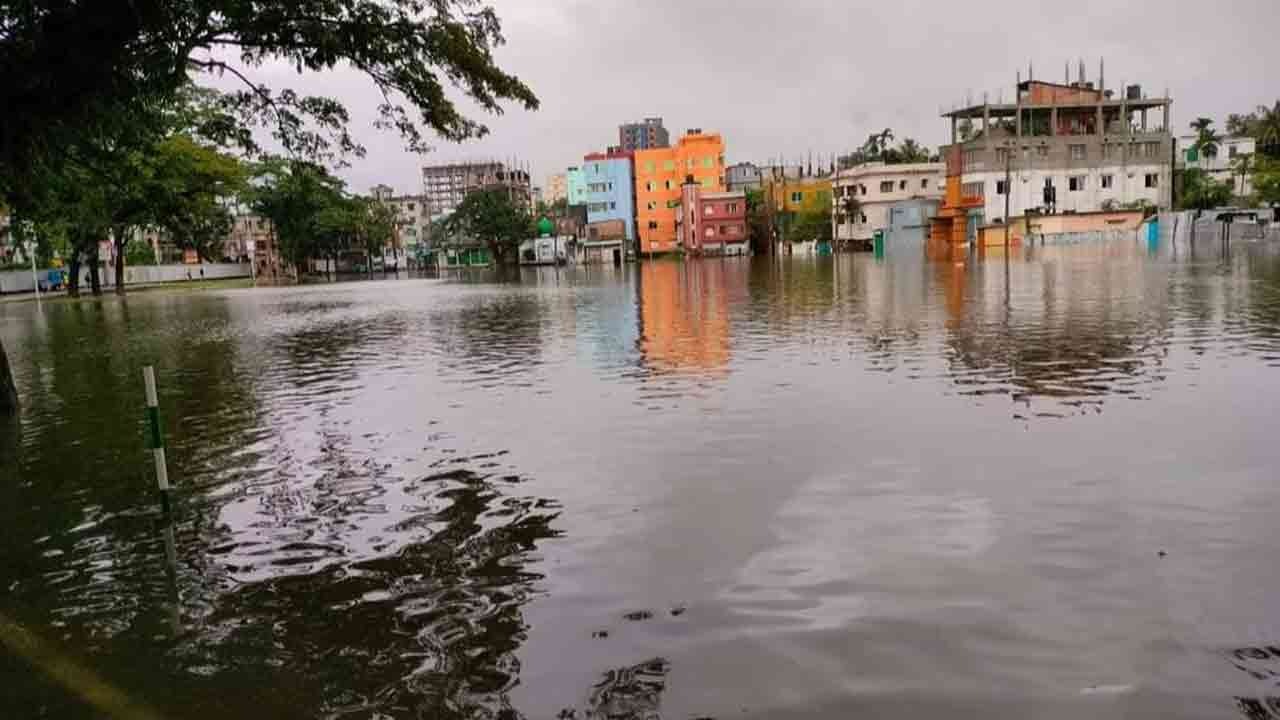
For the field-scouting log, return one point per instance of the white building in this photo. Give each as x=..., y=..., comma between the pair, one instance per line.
x=877, y=187
x=1125, y=173
x=1222, y=164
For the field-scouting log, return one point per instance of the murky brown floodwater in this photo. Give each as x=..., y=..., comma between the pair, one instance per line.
x=719, y=489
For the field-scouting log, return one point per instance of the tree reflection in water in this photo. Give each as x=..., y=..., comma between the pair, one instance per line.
x=431, y=631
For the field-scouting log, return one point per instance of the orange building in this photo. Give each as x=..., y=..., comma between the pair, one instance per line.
x=956, y=222
x=659, y=174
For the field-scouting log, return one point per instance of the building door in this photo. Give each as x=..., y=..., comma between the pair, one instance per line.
x=617, y=257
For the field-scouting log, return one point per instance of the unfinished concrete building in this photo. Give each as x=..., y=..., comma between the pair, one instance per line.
x=445, y=186
x=1069, y=147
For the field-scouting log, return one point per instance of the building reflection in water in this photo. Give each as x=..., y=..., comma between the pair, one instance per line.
x=684, y=313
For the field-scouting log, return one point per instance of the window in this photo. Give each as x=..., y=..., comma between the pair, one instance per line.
x=886, y=186
x=710, y=232
x=924, y=184
x=1107, y=181
x=1151, y=149
x=732, y=208
x=613, y=206
x=688, y=163
x=1002, y=155
x=1075, y=183
x=734, y=230
x=649, y=167
x=973, y=189
x=1077, y=152
x=1042, y=151
x=863, y=218
x=1001, y=188
x=970, y=157
x=709, y=183
x=648, y=186
x=653, y=224
x=669, y=165
x=652, y=205
x=668, y=184
x=708, y=210
x=902, y=184
x=708, y=162
x=1152, y=180
x=797, y=197
x=412, y=208
x=1233, y=151
x=724, y=229
x=1133, y=150
x=1111, y=152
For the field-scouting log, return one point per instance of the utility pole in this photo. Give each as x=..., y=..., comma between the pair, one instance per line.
x=1008, y=189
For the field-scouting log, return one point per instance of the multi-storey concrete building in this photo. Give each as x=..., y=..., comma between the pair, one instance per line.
x=1222, y=163
x=878, y=188
x=610, y=183
x=445, y=186
x=1065, y=147
x=575, y=186
x=413, y=222
x=557, y=189
x=659, y=175
x=742, y=176
x=643, y=135
x=711, y=223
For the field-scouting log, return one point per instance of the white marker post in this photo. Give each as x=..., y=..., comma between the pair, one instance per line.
x=155, y=437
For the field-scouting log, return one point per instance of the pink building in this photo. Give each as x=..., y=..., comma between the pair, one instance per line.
x=712, y=223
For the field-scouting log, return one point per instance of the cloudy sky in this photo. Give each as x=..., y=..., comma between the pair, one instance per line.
x=793, y=77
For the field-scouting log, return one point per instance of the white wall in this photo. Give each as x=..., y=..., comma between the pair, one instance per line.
x=14, y=281
x=1128, y=185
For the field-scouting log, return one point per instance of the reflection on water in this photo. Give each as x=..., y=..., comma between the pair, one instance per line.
x=803, y=487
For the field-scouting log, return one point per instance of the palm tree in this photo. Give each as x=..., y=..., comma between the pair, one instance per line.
x=1242, y=165
x=1267, y=130
x=1207, y=139
x=912, y=152
x=851, y=207
x=886, y=137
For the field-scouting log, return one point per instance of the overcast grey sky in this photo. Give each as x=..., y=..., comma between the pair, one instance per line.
x=790, y=77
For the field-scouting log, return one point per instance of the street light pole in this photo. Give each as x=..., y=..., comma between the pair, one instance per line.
x=35, y=277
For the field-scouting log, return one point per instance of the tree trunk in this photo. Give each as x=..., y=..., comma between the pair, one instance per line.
x=95, y=277
x=73, y=275
x=8, y=392
x=121, y=242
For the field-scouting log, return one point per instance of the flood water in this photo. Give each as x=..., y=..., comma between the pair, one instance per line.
x=1047, y=486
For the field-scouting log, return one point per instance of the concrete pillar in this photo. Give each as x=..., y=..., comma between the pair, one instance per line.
x=1053, y=121
x=953, y=130
x=1018, y=122
x=1144, y=119
x=1102, y=130
x=986, y=120
x=1166, y=118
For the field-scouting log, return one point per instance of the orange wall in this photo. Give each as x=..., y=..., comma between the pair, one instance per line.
x=659, y=175
x=1049, y=94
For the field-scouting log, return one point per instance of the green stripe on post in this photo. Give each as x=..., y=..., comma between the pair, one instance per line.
x=154, y=436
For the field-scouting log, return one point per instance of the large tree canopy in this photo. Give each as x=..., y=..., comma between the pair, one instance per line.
x=68, y=68
x=83, y=78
